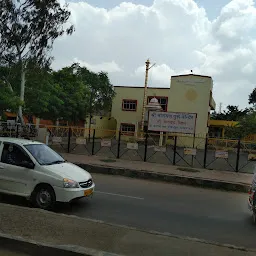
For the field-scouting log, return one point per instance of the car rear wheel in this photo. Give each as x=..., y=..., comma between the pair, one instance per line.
x=44, y=197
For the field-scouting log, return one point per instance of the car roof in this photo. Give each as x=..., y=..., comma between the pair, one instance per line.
x=20, y=142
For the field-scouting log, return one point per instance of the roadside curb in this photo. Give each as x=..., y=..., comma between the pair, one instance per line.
x=21, y=245
x=172, y=178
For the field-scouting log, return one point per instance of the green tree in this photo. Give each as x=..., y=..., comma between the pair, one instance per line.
x=105, y=93
x=70, y=93
x=233, y=113
x=28, y=29
x=245, y=127
x=73, y=93
x=8, y=98
x=100, y=89
x=42, y=94
x=218, y=116
x=252, y=97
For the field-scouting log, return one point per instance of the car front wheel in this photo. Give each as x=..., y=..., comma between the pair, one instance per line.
x=44, y=197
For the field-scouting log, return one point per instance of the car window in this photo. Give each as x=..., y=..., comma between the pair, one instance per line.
x=14, y=155
x=44, y=155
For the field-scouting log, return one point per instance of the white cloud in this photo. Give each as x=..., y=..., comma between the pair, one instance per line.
x=176, y=34
x=110, y=67
x=248, y=68
x=159, y=75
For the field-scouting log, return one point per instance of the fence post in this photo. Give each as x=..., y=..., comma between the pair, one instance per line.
x=146, y=147
x=17, y=130
x=93, y=140
x=69, y=138
x=118, y=145
x=205, y=151
x=238, y=155
x=174, y=150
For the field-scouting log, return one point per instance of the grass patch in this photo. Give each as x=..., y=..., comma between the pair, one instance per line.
x=187, y=169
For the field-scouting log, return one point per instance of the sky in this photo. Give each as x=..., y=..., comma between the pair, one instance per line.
x=215, y=38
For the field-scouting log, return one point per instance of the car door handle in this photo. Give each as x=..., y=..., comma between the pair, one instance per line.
x=1, y=167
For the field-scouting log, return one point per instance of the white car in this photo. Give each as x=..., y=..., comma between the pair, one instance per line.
x=33, y=170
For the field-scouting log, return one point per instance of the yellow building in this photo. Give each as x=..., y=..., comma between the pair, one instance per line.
x=128, y=103
x=217, y=127
x=187, y=93
x=104, y=126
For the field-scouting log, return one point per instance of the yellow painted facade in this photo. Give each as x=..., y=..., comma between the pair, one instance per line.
x=222, y=123
x=105, y=127
x=187, y=93
x=193, y=94
x=132, y=93
x=217, y=127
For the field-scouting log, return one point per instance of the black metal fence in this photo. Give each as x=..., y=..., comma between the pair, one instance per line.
x=16, y=130
x=195, y=152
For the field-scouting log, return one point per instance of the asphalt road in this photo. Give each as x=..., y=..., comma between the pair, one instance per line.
x=181, y=210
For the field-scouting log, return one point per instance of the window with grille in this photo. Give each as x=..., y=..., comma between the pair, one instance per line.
x=128, y=129
x=129, y=105
x=163, y=101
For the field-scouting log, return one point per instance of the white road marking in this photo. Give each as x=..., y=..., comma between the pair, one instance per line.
x=112, y=194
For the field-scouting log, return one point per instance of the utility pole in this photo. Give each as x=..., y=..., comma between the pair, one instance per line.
x=145, y=94
x=90, y=117
x=220, y=108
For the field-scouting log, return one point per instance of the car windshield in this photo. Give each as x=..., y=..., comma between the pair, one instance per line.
x=44, y=155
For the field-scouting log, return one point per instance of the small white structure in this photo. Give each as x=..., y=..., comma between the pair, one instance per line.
x=153, y=105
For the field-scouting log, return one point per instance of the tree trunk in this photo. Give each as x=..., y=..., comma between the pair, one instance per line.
x=8, y=84
x=22, y=92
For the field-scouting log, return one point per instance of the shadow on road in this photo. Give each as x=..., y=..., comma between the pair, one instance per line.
x=66, y=208
x=14, y=200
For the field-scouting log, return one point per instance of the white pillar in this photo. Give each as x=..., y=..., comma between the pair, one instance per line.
x=37, y=123
x=161, y=139
x=47, y=138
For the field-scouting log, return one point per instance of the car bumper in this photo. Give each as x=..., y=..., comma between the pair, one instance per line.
x=66, y=195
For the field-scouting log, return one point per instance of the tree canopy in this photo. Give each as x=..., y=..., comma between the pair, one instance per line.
x=233, y=113
x=100, y=89
x=245, y=127
x=8, y=99
x=70, y=93
x=252, y=97
x=246, y=119
x=28, y=29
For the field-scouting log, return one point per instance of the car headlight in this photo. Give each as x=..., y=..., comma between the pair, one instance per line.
x=67, y=183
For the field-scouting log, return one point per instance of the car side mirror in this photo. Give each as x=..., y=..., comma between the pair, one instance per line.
x=27, y=164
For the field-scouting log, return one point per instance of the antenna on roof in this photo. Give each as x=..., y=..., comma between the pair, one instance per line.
x=220, y=108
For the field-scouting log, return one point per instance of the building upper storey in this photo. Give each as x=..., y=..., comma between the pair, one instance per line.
x=187, y=93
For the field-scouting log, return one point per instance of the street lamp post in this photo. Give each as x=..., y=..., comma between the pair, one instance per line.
x=145, y=94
